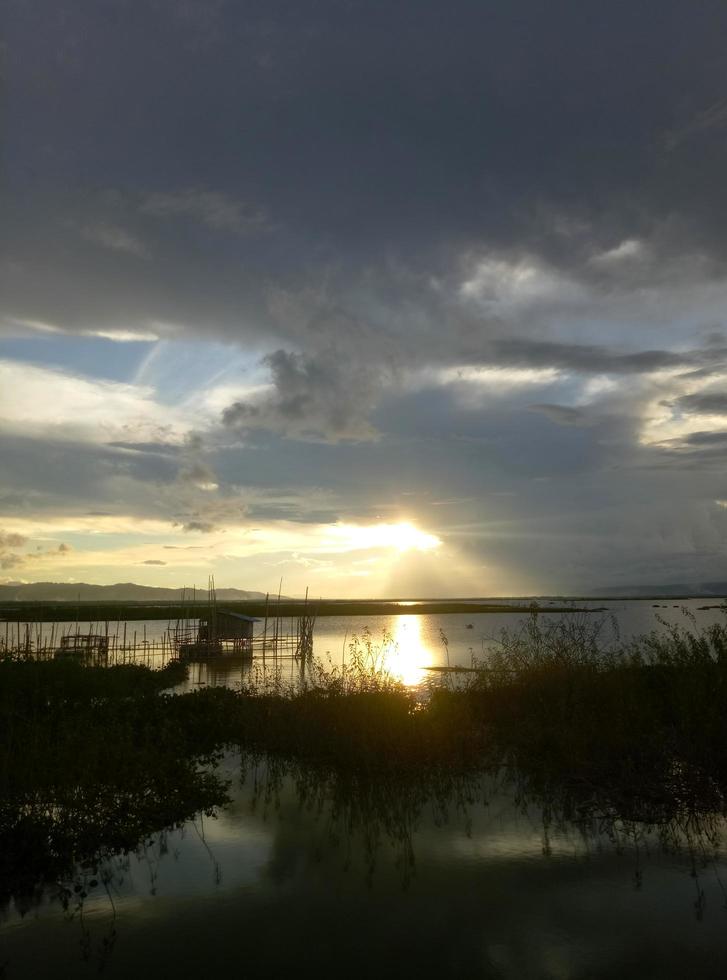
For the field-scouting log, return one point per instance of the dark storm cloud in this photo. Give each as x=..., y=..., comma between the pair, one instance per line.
x=362, y=131
x=323, y=184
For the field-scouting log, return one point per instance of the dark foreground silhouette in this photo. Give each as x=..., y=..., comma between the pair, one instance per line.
x=95, y=759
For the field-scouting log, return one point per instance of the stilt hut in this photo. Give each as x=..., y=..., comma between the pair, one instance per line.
x=228, y=629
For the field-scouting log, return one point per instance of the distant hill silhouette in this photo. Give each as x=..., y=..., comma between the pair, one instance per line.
x=122, y=592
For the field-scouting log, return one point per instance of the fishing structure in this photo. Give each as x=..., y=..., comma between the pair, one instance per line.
x=204, y=632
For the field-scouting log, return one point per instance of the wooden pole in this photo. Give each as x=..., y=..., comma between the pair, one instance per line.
x=265, y=627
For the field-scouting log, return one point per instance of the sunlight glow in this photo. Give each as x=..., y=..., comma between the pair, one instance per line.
x=666, y=420
x=403, y=536
x=410, y=656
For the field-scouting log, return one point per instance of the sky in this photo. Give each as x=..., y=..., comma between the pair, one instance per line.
x=376, y=297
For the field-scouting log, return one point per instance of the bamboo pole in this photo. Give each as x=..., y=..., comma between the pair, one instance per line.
x=265, y=627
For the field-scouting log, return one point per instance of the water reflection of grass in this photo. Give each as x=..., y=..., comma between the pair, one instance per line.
x=596, y=733
x=92, y=761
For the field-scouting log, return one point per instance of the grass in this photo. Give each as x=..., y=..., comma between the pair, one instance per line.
x=93, y=759
x=640, y=729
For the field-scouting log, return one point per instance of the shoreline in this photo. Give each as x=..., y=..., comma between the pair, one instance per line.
x=28, y=611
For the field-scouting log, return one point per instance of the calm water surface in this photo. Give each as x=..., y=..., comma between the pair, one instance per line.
x=406, y=645
x=410, y=645
x=484, y=889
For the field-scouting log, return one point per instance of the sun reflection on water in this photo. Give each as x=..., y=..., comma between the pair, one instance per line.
x=409, y=655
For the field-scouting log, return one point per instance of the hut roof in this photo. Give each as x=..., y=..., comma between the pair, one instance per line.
x=234, y=615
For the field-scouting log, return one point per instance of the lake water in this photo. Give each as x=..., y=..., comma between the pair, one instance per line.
x=418, y=641
x=332, y=885
x=408, y=646
x=308, y=874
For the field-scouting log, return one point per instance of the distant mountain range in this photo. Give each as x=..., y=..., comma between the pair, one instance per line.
x=122, y=592
x=130, y=592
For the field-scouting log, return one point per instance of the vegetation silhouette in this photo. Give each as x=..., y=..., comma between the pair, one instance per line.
x=621, y=739
x=92, y=761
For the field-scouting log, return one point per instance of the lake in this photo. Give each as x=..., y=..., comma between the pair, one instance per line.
x=408, y=646
x=490, y=876
x=332, y=883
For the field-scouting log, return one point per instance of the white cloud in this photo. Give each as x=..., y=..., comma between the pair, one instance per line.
x=124, y=336
x=102, y=546
x=37, y=401
x=497, y=378
x=118, y=334
x=629, y=248
x=601, y=384
x=42, y=528
x=499, y=283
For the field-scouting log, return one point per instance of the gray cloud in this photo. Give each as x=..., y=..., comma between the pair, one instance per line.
x=117, y=239
x=320, y=182
x=563, y=414
x=10, y=540
x=714, y=117
x=324, y=396
x=10, y=558
x=198, y=474
x=364, y=167
x=204, y=527
x=707, y=438
x=704, y=403
x=218, y=211
x=586, y=358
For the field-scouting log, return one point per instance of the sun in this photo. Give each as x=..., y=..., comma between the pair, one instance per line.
x=401, y=537
x=406, y=537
